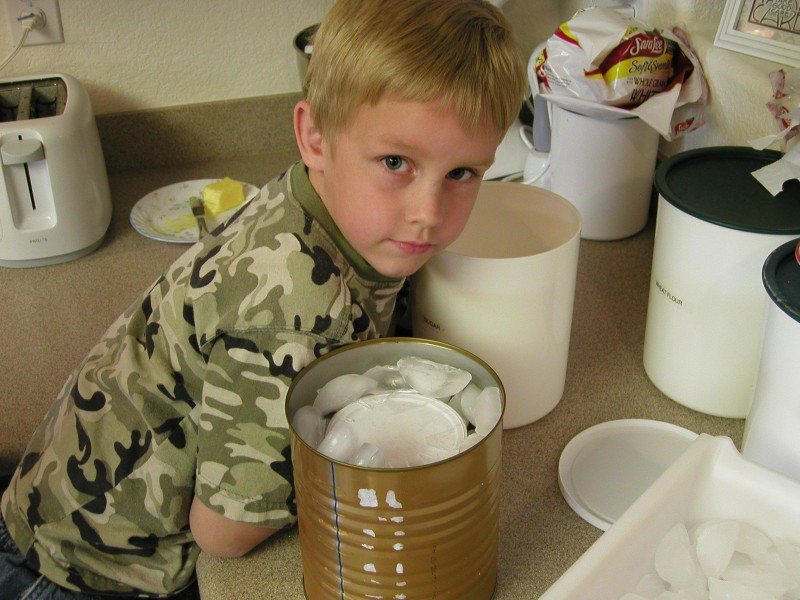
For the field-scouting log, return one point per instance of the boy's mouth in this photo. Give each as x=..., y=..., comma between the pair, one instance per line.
x=413, y=247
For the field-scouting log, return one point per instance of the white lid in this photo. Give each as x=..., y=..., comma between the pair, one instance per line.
x=409, y=428
x=606, y=467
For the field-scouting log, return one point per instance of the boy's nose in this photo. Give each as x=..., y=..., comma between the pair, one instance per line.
x=425, y=207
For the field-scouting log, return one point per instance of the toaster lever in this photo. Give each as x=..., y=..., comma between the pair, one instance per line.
x=17, y=152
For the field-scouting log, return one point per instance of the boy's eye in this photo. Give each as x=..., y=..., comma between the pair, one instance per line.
x=394, y=163
x=460, y=174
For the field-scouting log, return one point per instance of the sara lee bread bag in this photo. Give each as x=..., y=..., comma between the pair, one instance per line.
x=605, y=58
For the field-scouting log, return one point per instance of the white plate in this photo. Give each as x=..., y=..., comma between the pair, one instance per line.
x=165, y=214
x=605, y=468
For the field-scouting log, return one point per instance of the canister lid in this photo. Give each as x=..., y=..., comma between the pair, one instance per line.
x=605, y=468
x=716, y=185
x=781, y=275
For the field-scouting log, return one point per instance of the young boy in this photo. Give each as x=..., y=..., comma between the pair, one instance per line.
x=171, y=437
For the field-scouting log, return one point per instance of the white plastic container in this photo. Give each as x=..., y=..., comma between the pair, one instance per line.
x=716, y=226
x=604, y=166
x=772, y=428
x=504, y=290
x=710, y=480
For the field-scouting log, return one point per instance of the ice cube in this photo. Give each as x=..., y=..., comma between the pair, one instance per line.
x=464, y=402
x=715, y=542
x=694, y=594
x=752, y=541
x=341, y=391
x=789, y=554
x=770, y=557
x=649, y=586
x=368, y=455
x=675, y=560
x=388, y=378
x=774, y=579
x=731, y=590
x=431, y=378
x=757, y=568
x=670, y=595
x=309, y=424
x=340, y=441
x=487, y=410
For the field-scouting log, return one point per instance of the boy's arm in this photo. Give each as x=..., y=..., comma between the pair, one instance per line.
x=222, y=536
x=243, y=457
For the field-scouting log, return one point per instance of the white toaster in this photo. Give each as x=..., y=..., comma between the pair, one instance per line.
x=55, y=203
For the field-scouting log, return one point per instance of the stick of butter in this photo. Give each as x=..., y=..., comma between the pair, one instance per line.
x=222, y=195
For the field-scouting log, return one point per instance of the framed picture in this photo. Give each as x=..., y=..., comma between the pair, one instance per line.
x=768, y=29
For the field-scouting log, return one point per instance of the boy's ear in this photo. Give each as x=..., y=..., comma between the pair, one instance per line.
x=309, y=139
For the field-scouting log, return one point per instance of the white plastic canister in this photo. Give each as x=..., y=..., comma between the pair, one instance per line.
x=716, y=225
x=604, y=164
x=505, y=291
x=773, y=424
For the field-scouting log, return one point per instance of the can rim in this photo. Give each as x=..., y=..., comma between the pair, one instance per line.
x=398, y=339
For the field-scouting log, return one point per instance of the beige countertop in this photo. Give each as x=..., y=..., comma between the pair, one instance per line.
x=52, y=316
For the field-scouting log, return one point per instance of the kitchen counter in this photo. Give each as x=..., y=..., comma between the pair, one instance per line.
x=52, y=316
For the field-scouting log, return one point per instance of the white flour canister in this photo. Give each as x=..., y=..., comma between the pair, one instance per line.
x=772, y=427
x=715, y=227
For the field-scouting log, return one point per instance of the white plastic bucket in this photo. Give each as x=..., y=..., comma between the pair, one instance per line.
x=505, y=289
x=773, y=422
x=604, y=166
x=716, y=225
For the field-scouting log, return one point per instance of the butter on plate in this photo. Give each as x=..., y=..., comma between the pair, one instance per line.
x=222, y=195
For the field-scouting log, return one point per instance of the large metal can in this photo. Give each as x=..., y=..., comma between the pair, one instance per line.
x=427, y=532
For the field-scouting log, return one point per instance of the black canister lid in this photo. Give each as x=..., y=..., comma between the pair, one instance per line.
x=781, y=275
x=715, y=184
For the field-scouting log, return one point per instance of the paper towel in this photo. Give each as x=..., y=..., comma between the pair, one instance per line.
x=774, y=175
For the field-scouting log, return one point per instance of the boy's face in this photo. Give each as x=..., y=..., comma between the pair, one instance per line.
x=401, y=180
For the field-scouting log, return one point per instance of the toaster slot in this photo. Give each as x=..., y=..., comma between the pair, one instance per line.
x=47, y=100
x=9, y=101
x=20, y=101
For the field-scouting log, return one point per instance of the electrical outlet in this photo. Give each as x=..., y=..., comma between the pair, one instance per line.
x=51, y=33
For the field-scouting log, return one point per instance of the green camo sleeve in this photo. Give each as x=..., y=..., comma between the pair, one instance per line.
x=243, y=463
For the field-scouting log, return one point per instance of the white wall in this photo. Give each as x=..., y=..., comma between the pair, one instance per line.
x=139, y=54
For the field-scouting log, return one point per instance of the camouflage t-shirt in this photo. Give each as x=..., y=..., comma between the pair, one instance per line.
x=184, y=396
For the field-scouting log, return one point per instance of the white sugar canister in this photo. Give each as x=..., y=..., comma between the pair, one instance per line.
x=505, y=290
x=715, y=227
x=772, y=427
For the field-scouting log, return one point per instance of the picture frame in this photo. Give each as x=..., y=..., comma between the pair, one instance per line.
x=768, y=29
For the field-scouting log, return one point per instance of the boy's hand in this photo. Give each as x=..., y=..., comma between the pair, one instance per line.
x=221, y=536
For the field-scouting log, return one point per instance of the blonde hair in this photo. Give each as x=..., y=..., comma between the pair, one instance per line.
x=460, y=52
